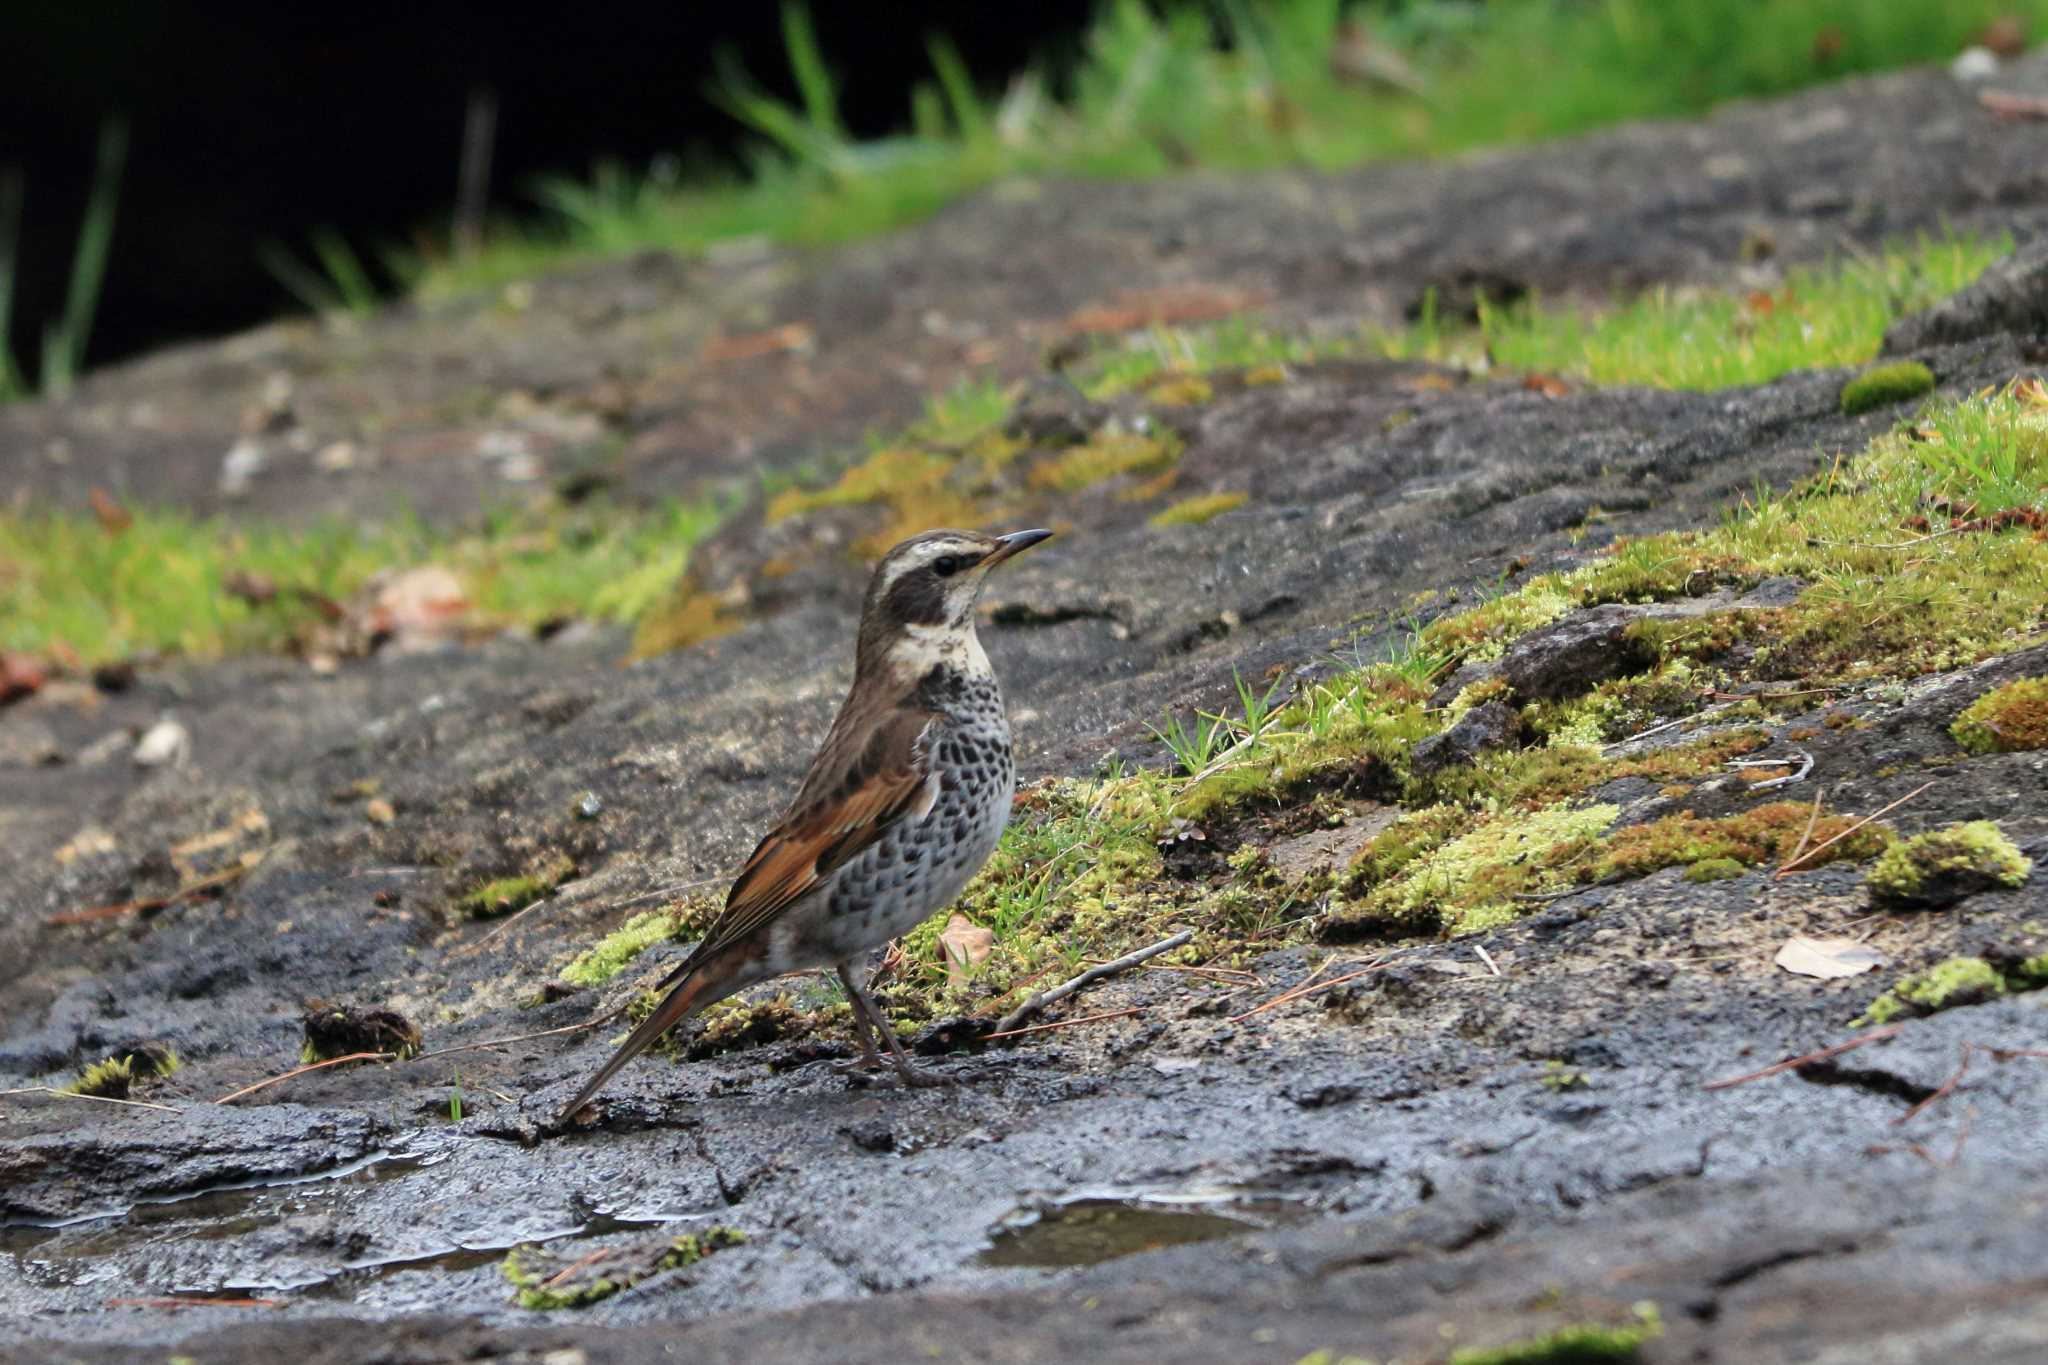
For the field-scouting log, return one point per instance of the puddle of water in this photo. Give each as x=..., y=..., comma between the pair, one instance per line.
x=1092, y=1229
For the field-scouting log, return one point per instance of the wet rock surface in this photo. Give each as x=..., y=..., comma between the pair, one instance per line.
x=1457, y=1149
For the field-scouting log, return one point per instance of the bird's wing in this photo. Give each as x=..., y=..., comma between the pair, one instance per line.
x=851, y=799
x=854, y=794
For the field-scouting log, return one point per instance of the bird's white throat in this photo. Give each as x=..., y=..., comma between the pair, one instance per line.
x=921, y=648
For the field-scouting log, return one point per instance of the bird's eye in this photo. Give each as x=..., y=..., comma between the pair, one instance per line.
x=945, y=566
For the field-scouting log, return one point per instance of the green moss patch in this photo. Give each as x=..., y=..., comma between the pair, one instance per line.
x=504, y=895
x=1578, y=1344
x=113, y=1077
x=2006, y=719
x=610, y=955
x=1107, y=455
x=1949, y=984
x=1938, y=868
x=1472, y=882
x=1196, y=511
x=1767, y=834
x=548, y=1280
x=1885, y=385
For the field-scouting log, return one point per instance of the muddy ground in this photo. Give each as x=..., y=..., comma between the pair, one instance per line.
x=1434, y=1157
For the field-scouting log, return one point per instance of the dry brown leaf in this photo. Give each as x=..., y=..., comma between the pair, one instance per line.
x=1828, y=958
x=966, y=946
x=1549, y=385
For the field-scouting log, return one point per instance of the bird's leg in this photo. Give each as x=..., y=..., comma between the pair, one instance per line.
x=898, y=1058
x=869, y=1058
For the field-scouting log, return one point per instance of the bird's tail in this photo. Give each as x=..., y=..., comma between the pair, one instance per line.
x=696, y=984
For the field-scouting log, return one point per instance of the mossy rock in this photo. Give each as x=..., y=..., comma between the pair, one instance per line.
x=1939, y=868
x=549, y=1280
x=344, y=1030
x=2008, y=719
x=1946, y=985
x=1715, y=870
x=1885, y=385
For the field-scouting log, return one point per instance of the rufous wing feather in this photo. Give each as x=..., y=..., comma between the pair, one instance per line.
x=850, y=800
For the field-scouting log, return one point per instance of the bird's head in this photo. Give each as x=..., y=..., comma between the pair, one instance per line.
x=920, y=603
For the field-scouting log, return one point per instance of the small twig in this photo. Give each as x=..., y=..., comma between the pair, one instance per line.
x=1305, y=990
x=1811, y=821
x=1066, y=1023
x=498, y=931
x=570, y=1269
x=1773, y=696
x=302, y=1070
x=74, y=1095
x=1487, y=958
x=1008, y=1023
x=1876, y=1035
x=1943, y=1091
x=523, y=1037
x=1645, y=734
x=1955, y=1078
x=1536, y=897
x=1889, y=545
x=1828, y=843
x=183, y=893
x=1799, y=775
x=658, y=892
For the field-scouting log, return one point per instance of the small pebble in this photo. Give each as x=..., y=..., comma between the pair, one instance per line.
x=589, y=808
x=166, y=742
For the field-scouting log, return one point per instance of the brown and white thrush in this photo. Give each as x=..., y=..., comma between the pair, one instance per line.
x=902, y=806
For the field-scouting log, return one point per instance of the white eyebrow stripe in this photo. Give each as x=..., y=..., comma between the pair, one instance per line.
x=921, y=555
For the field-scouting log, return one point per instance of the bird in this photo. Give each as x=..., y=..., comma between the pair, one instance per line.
x=905, y=801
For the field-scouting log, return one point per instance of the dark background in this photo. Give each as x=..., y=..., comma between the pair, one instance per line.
x=254, y=124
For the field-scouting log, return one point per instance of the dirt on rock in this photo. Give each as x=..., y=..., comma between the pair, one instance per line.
x=1478, y=1142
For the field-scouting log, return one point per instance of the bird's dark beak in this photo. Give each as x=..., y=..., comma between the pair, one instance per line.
x=1013, y=543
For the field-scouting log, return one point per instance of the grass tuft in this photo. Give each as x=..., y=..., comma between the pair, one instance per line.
x=1160, y=89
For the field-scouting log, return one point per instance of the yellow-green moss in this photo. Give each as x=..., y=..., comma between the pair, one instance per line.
x=608, y=957
x=1195, y=511
x=889, y=472
x=503, y=895
x=112, y=1077
x=1579, y=1344
x=1886, y=384
x=1176, y=390
x=1105, y=456
x=1471, y=883
x=688, y=616
x=1957, y=981
x=107, y=1080
x=1715, y=870
x=1766, y=834
x=545, y=1283
x=1942, y=866
x=2006, y=719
